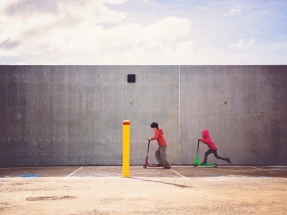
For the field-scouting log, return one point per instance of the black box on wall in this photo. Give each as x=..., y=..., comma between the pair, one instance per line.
x=131, y=78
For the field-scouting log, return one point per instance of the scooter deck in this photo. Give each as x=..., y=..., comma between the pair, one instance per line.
x=206, y=165
x=147, y=165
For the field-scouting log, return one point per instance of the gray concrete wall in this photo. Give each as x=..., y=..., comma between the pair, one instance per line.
x=72, y=115
x=244, y=108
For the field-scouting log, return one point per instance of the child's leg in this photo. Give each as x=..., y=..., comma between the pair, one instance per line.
x=209, y=151
x=158, y=156
x=165, y=162
x=217, y=156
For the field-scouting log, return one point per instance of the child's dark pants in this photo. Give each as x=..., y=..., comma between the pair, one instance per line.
x=214, y=151
x=160, y=155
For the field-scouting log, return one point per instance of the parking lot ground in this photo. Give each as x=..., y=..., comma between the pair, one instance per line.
x=91, y=190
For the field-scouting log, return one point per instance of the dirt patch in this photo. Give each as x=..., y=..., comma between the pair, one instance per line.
x=4, y=206
x=49, y=198
x=94, y=212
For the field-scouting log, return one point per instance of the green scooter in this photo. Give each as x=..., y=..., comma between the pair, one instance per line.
x=197, y=163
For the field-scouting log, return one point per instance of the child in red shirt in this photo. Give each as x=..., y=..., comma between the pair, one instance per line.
x=212, y=147
x=160, y=153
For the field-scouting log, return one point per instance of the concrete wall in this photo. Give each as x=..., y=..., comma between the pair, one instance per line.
x=244, y=107
x=72, y=115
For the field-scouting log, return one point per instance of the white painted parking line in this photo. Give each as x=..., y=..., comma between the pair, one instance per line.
x=277, y=166
x=72, y=173
x=179, y=174
x=257, y=167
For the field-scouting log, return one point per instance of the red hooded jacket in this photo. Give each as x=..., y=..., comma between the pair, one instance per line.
x=207, y=140
x=158, y=135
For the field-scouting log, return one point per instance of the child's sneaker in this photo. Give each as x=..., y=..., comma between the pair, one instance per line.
x=228, y=160
x=203, y=163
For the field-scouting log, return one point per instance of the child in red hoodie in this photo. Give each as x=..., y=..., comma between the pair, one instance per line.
x=212, y=147
x=160, y=153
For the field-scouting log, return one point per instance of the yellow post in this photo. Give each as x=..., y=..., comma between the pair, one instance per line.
x=126, y=149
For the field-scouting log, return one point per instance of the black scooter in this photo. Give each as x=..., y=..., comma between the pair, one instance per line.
x=146, y=160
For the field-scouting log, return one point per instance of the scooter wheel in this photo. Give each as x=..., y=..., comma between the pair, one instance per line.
x=215, y=165
x=195, y=165
x=145, y=166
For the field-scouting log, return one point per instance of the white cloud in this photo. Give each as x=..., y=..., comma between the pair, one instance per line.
x=240, y=44
x=133, y=43
x=251, y=42
x=243, y=43
x=235, y=10
x=75, y=34
x=113, y=1
x=62, y=27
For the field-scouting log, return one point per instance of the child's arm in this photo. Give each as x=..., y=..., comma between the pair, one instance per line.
x=154, y=137
x=205, y=141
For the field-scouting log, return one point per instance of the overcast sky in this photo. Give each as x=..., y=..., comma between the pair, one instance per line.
x=143, y=32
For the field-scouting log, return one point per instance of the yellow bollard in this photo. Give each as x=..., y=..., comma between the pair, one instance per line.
x=126, y=149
